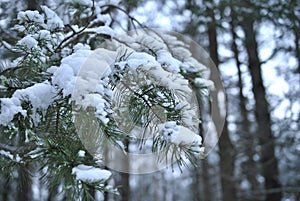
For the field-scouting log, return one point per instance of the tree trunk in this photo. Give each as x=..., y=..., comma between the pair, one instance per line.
x=6, y=187
x=24, y=178
x=268, y=160
x=125, y=185
x=206, y=193
x=251, y=169
x=225, y=145
x=51, y=195
x=297, y=44
x=24, y=189
x=32, y=4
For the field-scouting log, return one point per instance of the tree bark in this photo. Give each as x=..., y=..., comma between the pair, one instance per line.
x=268, y=160
x=125, y=185
x=24, y=178
x=251, y=169
x=297, y=48
x=32, y=4
x=6, y=187
x=206, y=193
x=226, y=148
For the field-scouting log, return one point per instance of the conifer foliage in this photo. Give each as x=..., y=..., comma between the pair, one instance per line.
x=74, y=84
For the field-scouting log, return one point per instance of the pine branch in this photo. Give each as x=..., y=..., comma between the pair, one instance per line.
x=143, y=98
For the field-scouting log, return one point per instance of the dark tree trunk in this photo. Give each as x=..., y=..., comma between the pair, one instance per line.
x=24, y=188
x=268, y=160
x=206, y=193
x=297, y=44
x=6, y=187
x=24, y=178
x=225, y=145
x=295, y=22
x=32, y=4
x=51, y=195
x=251, y=169
x=125, y=185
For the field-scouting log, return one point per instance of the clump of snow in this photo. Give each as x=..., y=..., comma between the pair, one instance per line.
x=90, y=174
x=40, y=95
x=28, y=42
x=98, y=102
x=201, y=82
x=140, y=59
x=179, y=135
x=191, y=65
x=81, y=2
x=170, y=63
x=9, y=108
x=65, y=79
x=29, y=15
x=81, y=75
x=102, y=30
x=81, y=153
x=16, y=158
x=44, y=34
x=80, y=46
x=53, y=21
x=65, y=76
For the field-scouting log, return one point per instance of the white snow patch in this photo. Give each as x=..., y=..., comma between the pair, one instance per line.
x=102, y=30
x=44, y=34
x=90, y=174
x=201, y=82
x=170, y=63
x=53, y=21
x=29, y=42
x=16, y=158
x=31, y=16
x=179, y=135
x=81, y=2
x=81, y=153
x=40, y=95
x=9, y=108
x=141, y=59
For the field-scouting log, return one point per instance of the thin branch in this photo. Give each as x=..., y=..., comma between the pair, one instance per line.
x=69, y=37
x=111, y=6
x=143, y=98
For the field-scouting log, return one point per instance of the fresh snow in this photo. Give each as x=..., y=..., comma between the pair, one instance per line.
x=201, y=82
x=16, y=158
x=29, y=15
x=29, y=42
x=53, y=21
x=168, y=61
x=140, y=59
x=90, y=174
x=82, y=75
x=81, y=153
x=9, y=108
x=102, y=30
x=81, y=2
x=40, y=95
x=44, y=34
x=179, y=135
